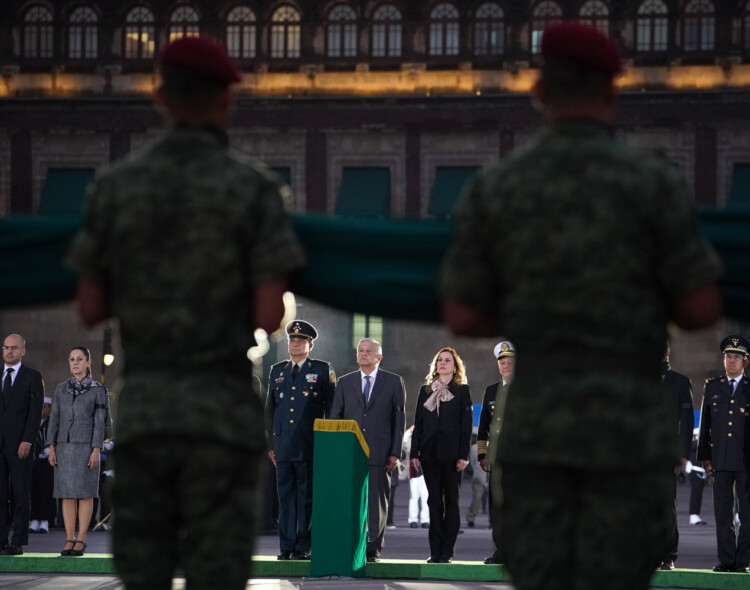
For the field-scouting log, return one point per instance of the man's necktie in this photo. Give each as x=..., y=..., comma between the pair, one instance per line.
x=7, y=383
x=295, y=372
x=731, y=384
x=366, y=390
x=8, y=380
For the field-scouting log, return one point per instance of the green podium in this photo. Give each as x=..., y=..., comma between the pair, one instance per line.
x=341, y=466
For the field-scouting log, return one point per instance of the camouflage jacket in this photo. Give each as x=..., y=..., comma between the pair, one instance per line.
x=181, y=235
x=579, y=245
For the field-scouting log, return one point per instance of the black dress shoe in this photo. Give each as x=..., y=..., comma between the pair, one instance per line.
x=284, y=556
x=373, y=558
x=492, y=560
x=723, y=568
x=12, y=550
x=301, y=556
x=433, y=559
x=413, y=525
x=445, y=560
x=740, y=569
x=666, y=565
x=470, y=525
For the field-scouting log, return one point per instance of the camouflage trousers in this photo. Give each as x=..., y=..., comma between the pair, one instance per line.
x=182, y=503
x=569, y=529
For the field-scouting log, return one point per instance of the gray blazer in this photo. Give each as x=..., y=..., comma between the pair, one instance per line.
x=382, y=421
x=78, y=419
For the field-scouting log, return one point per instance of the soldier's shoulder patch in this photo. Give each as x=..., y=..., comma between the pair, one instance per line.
x=331, y=374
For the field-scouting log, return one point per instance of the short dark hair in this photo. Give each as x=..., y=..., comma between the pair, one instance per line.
x=563, y=79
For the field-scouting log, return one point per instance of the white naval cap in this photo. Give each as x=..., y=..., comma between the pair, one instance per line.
x=504, y=348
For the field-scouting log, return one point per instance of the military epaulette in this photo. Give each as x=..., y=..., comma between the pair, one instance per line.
x=280, y=363
x=719, y=379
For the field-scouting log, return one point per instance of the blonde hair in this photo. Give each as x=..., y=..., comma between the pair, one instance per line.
x=459, y=377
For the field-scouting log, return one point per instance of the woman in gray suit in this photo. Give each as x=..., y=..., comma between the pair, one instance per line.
x=440, y=445
x=76, y=436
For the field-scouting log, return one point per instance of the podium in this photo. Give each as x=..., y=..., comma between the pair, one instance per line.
x=339, y=517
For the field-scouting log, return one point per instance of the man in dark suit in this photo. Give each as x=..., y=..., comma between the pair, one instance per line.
x=723, y=447
x=299, y=391
x=22, y=397
x=375, y=399
x=680, y=392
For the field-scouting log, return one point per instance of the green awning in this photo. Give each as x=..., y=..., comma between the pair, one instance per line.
x=284, y=174
x=64, y=191
x=449, y=180
x=365, y=192
x=740, y=194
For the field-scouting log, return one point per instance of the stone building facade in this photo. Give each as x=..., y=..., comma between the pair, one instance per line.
x=408, y=93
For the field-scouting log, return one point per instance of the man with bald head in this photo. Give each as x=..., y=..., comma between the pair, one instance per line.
x=21, y=404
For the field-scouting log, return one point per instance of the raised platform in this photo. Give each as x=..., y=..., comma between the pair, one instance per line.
x=266, y=566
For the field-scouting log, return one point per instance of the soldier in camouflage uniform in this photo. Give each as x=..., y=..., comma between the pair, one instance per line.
x=581, y=249
x=187, y=244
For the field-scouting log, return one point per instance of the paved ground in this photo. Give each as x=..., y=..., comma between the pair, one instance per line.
x=697, y=551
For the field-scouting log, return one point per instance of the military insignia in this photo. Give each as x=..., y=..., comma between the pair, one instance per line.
x=504, y=347
x=280, y=378
x=331, y=374
x=305, y=393
x=311, y=377
x=735, y=341
x=281, y=395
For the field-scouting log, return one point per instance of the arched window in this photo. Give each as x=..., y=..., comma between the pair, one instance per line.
x=444, y=30
x=140, y=38
x=545, y=13
x=241, y=33
x=285, y=32
x=489, y=30
x=342, y=32
x=651, y=26
x=596, y=14
x=83, y=34
x=37, y=32
x=183, y=23
x=386, y=31
x=699, y=26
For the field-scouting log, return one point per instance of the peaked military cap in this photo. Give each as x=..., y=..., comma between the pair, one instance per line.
x=301, y=328
x=202, y=56
x=504, y=348
x=582, y=44
x=735, y=343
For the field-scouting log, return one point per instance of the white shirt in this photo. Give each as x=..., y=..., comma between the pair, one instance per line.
x=299, y=364
x=13, y=375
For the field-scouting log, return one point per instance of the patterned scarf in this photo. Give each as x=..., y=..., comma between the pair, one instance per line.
x=75, y=387
x=440, y=393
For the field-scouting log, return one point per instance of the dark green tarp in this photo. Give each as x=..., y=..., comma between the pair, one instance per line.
x=383, y=267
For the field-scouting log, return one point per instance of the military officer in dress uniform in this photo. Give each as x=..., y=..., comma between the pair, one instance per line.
x=723, y=448
x=505, y=353
x=299, y=391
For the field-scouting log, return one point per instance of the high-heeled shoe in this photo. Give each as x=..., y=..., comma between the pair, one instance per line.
x=66, y=552
x=78, y=552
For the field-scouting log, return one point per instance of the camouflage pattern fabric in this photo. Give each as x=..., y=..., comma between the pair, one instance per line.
x=181, y=235
x=178, y=503
x=578, y=245
x=582, y=536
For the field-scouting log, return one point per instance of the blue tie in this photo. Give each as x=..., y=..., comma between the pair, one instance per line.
x=366, y=391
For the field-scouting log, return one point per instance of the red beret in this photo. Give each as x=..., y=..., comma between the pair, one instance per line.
x=582, y=44
x=200, y=55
